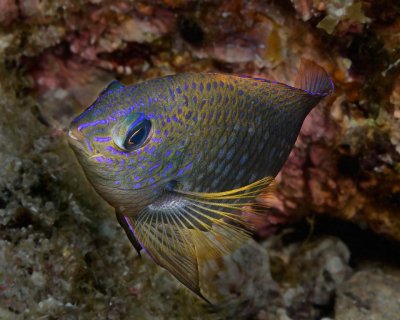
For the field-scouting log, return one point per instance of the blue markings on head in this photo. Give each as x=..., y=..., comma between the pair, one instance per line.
x=89, y=145
x=154, y=167
x=208, y=86
x=201, y=87
x=188, y=166
x=92, y=124
x=114, y=151
x=156, y=140
x=102, y=139
x=152, y=149
x=178, y=90
x=101, y=159
x=168, y=168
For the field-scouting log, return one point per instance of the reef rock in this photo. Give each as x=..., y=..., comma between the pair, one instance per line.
x=369, y=294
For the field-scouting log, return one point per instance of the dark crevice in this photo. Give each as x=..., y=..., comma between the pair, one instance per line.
x=363, y=244
x=190, y=30
x=349, y=165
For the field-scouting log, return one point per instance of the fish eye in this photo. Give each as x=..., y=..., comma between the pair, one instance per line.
x=137, y=135
x=133, y=132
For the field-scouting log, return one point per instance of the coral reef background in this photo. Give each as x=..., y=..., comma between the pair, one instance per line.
x=334, y=226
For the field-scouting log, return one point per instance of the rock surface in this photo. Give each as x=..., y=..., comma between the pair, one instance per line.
x=369, y=295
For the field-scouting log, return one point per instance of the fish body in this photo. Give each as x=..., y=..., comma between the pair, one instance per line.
x=180, y=156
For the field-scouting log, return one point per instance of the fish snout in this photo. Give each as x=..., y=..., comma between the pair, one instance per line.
x=75, y=138
x=74, y=134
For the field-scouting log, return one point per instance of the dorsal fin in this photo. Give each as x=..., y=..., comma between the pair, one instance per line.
x=313, y=79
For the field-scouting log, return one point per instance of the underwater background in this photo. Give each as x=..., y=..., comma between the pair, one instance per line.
x=329, y=247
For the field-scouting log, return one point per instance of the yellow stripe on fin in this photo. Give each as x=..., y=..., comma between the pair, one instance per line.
x=193, y=226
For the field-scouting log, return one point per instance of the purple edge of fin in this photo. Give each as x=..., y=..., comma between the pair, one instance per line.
x=130, y=232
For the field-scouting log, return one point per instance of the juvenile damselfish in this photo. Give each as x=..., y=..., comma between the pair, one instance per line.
x=184, y=158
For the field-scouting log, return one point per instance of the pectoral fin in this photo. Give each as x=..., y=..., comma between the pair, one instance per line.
x=193, y=226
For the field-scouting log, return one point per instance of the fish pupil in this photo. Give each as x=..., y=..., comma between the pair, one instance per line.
x=137, y=135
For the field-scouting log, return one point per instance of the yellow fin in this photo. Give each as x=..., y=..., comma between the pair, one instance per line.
x=195, y=226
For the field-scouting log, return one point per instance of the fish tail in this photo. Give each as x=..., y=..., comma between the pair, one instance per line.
x=313, y=79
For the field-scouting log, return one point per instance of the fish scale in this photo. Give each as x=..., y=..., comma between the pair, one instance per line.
x=181, y=157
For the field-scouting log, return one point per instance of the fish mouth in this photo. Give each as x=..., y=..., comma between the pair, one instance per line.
x=77, y=144
x=72, y=136
x=76, y=141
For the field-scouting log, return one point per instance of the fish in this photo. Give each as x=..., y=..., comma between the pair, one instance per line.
x=184, y=158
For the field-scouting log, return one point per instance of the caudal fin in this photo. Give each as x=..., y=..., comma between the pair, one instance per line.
x=313, y=79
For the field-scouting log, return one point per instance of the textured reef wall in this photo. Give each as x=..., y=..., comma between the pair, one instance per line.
x=63, y=256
